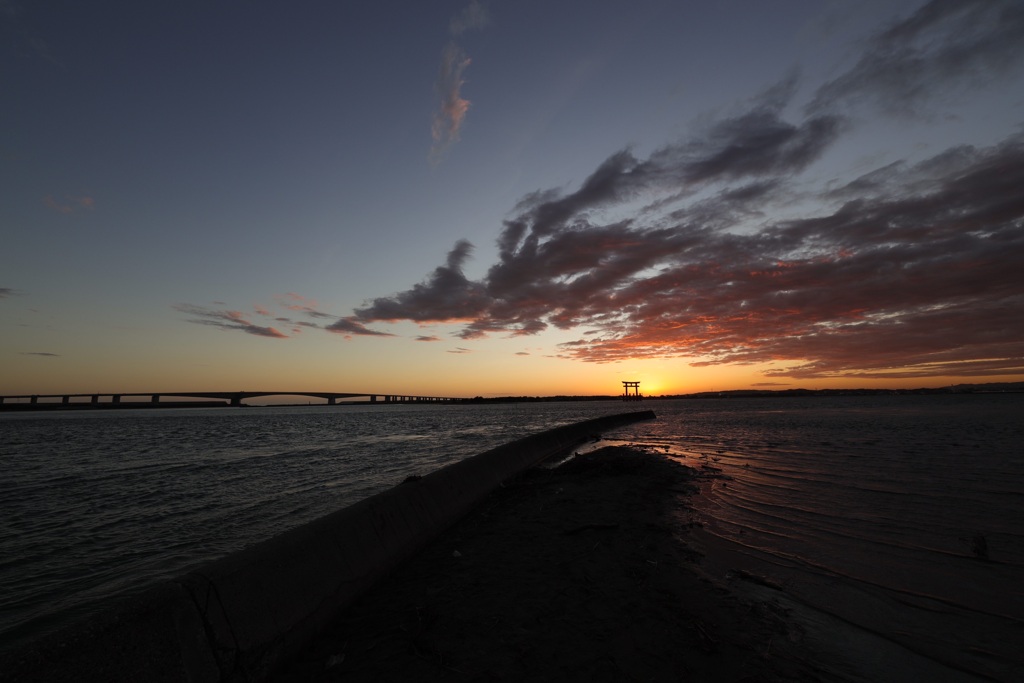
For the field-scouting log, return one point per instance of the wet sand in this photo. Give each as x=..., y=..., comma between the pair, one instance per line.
x=588, y=571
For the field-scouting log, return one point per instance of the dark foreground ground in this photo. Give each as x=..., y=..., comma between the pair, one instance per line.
x=583, y=572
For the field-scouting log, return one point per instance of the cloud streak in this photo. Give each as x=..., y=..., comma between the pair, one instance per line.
x=299, y=304
x=352, y=327
x=69, y=204
x=227, y=320
x=291, y=303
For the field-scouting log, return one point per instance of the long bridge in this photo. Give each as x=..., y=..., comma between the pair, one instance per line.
x=233, y=398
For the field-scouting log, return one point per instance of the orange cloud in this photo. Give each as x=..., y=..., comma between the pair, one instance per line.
x=452, y=108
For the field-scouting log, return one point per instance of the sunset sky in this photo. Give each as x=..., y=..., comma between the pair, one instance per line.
x=510, y=197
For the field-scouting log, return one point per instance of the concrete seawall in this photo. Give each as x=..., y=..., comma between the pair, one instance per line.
x=234, y=619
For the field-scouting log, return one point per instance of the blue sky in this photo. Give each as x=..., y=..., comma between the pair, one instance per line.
x=263, y=193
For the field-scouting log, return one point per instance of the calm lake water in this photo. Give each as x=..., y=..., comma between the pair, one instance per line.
x=894, y=524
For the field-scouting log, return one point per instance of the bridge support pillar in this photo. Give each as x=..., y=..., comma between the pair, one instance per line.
x=95, y=398
x=34, y=399
x=155, y=399
x=236, y=400
x=65, y=400
x=116, y=398
x=331, y=400
x=373, y=398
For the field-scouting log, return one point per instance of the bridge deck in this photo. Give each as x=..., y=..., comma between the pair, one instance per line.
x=235, y=398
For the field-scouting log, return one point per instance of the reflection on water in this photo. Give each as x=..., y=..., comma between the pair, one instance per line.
x=900, y=516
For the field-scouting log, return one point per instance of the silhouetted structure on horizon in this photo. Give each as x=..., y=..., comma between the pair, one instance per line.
x=635, y=386
x=223, y=398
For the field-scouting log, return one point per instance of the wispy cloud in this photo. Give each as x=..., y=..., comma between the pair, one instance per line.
x=472, y=17
x=23, y=36
x=350, y=326
x=909, y=270
x=428, y=338
x=44, y=354
x=459, y=349
x=296, y=302
x=69, y=204
x=452, y=106
x=288, y=303
x=227, y=320
x=7, y=292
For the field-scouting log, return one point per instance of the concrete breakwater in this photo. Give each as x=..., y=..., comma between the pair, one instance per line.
x=235, y=618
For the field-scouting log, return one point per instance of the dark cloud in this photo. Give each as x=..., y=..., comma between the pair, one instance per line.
x=7, y=291
x=350, y=326
x=40, y=353
x=459, y=349
x=908, y=270
x=427, y=338
x=915, y=272
x=553, y=240
x=319, y=314
x=227, y=320
x=445, y=296
x=943, y=49
x=758, y=143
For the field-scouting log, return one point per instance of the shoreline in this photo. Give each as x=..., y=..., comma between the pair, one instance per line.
x=584, y=571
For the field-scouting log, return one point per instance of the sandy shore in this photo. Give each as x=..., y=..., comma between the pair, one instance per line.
x=583, y=572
